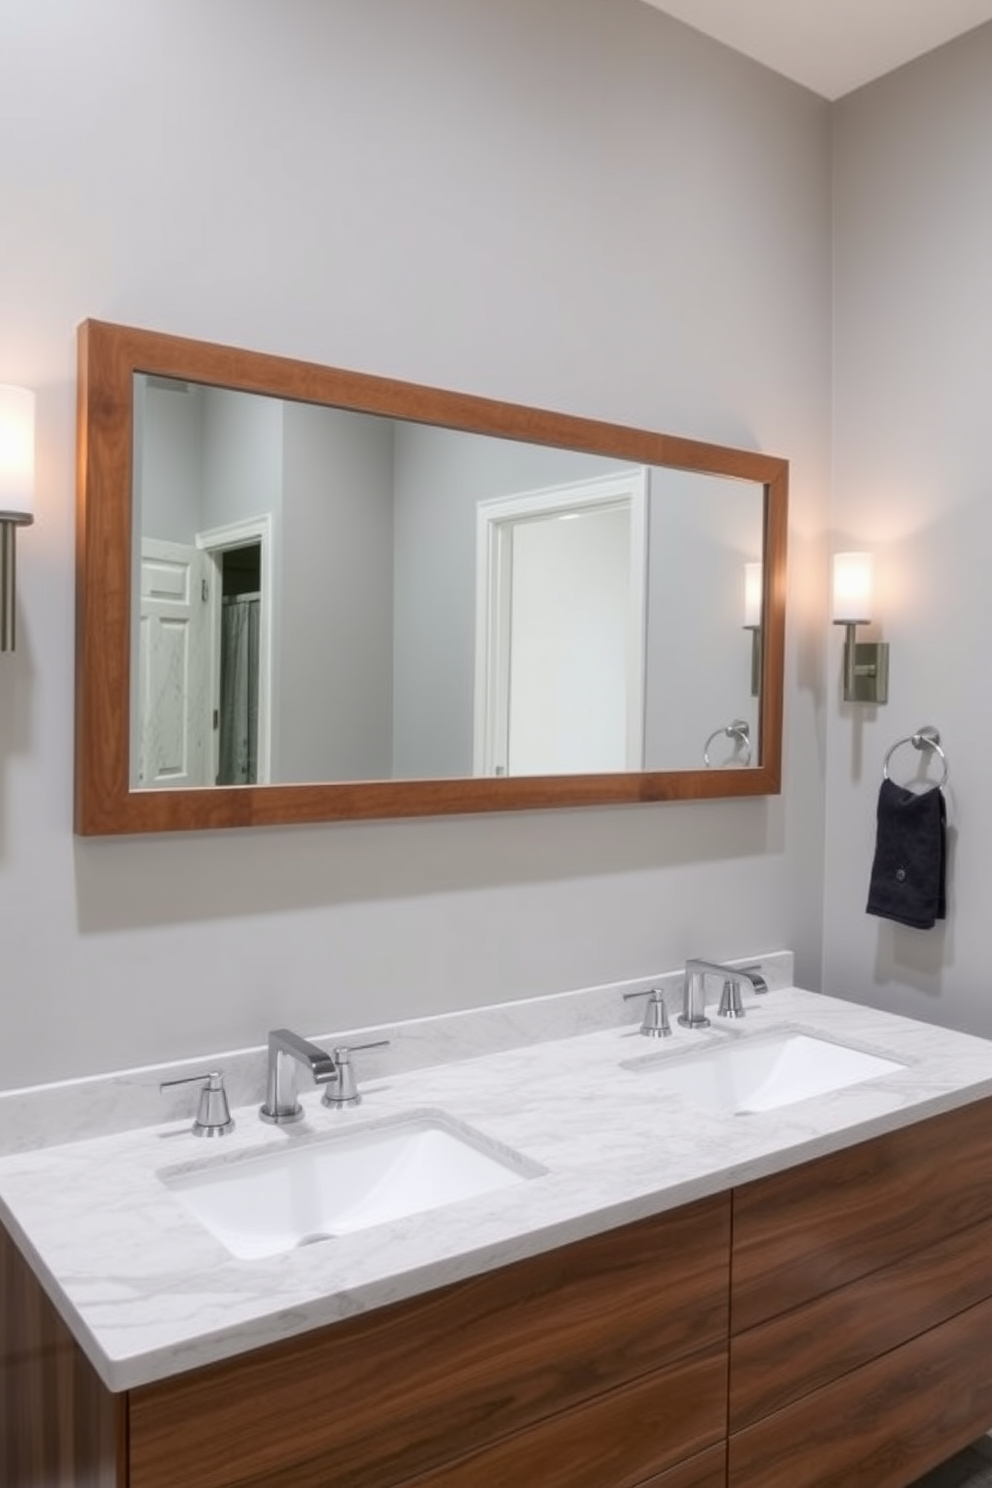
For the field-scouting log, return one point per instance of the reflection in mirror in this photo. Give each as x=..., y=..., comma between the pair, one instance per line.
x=328, y=595
x=305, y=594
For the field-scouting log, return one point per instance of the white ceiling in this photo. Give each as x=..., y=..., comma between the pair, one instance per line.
x=831, y=46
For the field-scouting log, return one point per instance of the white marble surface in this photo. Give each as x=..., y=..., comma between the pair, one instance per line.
x=149, y=1293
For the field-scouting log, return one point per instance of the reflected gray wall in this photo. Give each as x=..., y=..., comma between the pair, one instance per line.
x=702, y=532
x=335, y=622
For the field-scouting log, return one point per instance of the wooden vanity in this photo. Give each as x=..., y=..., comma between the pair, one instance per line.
x=829, y=1326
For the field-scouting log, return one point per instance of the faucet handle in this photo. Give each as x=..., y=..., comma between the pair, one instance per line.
x=731, y=1001
x=213, y=1116
x=655, y=1023
x=343, y=1090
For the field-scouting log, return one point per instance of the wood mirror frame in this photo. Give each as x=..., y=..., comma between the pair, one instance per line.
x=105, y=804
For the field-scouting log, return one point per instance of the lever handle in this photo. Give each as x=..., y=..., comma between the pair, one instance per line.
x=655, y=1023
x=344, y=1090
x=213, y=1117
x=215, y=1078
x=344, y=1050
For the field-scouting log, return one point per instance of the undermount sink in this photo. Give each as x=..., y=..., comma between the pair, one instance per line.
x=317, y=1189
x=761, y=1072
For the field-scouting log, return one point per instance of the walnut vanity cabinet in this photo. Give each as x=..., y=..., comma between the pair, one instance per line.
x=602, y=1364
x=861, y=1310
x=855, y=1294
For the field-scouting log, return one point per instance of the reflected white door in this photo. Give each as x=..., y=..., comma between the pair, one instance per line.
x=567, y=704
x=561, y=607
x=173, y=718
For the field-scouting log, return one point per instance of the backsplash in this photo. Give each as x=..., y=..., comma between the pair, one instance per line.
x=45, y=1115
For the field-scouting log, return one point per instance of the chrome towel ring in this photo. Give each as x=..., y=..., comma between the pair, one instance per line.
x=925, y=738
x=737, y=730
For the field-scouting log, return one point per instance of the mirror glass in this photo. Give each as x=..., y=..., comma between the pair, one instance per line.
x=325, y=595
x=307, y=594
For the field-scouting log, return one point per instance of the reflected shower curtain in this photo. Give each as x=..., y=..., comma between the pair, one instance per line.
x=238, y=756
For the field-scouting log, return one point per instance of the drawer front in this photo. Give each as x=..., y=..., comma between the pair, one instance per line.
x=626, y=1439
x=883, y=1425
x=824, y=1225
x=403, y=1389
x=784, y=1359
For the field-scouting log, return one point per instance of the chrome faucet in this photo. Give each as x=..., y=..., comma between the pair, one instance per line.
x=331, y=1070
x=693, y=1014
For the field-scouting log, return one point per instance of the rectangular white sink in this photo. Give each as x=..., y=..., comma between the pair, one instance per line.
x=316, y=1189
x=761, y=1072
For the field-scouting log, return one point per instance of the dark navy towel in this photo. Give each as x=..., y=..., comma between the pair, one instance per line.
x=908, y=873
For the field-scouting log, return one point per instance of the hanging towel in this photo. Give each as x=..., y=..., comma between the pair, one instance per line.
x=907, y=875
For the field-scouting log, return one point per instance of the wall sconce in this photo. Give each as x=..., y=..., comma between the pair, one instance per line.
x=16, y=495
x=754, y=594
x=866, y=663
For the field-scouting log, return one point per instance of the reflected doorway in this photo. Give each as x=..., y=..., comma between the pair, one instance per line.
x=561, y=618
x=239, y=560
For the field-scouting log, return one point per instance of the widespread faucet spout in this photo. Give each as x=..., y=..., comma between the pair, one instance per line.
x=286, y=1049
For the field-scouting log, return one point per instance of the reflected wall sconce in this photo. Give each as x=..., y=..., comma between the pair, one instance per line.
x=753, y=602
x=866, y=663
x=16, y=495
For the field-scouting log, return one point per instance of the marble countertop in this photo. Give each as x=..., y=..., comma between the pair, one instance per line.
x=149, y=1293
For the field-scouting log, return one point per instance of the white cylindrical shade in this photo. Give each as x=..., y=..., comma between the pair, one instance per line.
x=853, y=584
x=16, y=451
x=753, y=595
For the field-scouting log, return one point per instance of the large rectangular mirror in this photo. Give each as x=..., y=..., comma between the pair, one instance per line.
x=307, y=594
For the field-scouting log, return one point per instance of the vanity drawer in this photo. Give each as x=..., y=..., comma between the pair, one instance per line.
x=809, y=1230
x=880, y=1426
x=635, y=1437
x=789, y=1356
x=404, y=1389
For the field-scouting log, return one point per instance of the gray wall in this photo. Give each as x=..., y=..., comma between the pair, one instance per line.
x=579, y=204
x=913, y=482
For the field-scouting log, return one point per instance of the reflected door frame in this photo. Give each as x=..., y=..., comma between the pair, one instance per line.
x=496, y=519
x=215, y=542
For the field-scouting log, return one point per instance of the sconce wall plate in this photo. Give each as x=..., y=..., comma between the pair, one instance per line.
x=871, y=673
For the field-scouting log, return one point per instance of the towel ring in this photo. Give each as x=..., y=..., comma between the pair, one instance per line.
x=737, y=730
x=925, y=738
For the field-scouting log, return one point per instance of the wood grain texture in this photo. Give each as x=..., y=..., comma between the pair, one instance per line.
x=625, y=1439
x=402, y=1390
x=708, y=1470
x=881, y=1426
x=108, y=357
x=59, y=1426
x=823, y=1225
x=786, y=1358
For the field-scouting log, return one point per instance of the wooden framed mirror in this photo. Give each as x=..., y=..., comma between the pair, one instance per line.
x=389, y=677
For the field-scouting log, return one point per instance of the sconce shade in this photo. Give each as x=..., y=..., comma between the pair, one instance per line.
x=16, y=454
x=753, y=586
x=853, y=588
